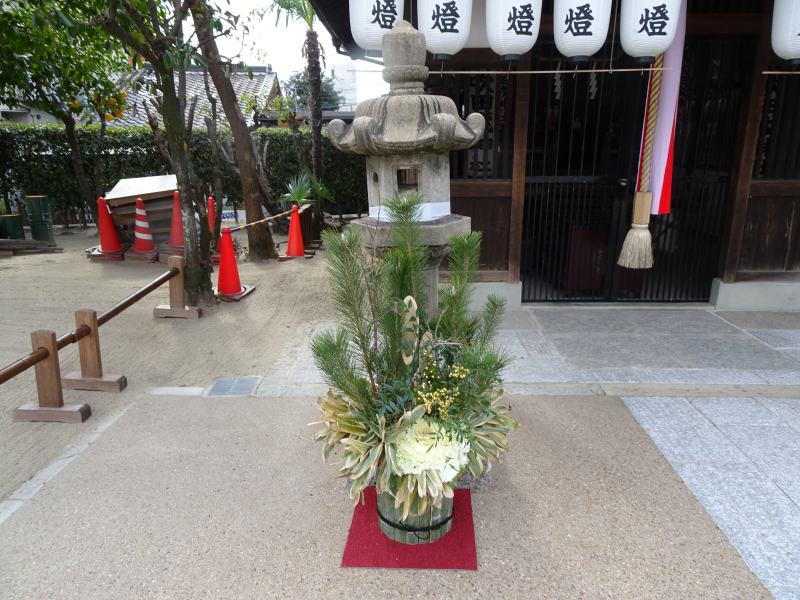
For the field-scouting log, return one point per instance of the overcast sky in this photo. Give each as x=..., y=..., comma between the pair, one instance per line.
x=281, y=47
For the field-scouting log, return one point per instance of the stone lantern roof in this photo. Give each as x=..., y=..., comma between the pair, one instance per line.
x=406, y=120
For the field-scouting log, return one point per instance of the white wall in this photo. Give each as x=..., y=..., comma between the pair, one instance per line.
x=345, y=81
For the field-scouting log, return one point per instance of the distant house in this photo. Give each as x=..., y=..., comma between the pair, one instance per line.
x=26, y=115
x=263, y=79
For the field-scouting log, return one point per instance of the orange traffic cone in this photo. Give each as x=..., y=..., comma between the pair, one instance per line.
x=109, y=242
x=110, y=247
x=212, y=217
x=143, y=247
x=175, y=245
x=176, y=227
x=212, y=214
x=294, y=247
x=228, y=286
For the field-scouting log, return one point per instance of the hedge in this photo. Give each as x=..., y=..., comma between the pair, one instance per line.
x=36, y=159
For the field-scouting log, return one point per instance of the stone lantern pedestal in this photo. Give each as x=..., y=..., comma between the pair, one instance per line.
x=407, y=136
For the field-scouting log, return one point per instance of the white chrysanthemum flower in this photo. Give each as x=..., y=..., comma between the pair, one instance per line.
x=422, y=447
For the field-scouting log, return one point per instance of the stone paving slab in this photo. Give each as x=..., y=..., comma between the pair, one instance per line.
x=604, y=376
x=702, y=376
x=677, y=322
x=794, y=353
x=780, y=377
x=778, y=338
x=538, y=370
x=787, y=409
x=741, y=459
x=509, y=340
x=536, y=343
x=753, y=319
x=614, y=351
x=729, y=353
x=582, y=321
x=519, y=319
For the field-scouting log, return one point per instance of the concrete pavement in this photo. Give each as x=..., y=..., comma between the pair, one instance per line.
x=684, y=489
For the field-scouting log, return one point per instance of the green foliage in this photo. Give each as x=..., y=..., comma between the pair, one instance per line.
x=298, y=190
x=61, y=70
x=35, y=159
x=296, y=87
x=292, y=10
x=393, y=365
x=380, y=327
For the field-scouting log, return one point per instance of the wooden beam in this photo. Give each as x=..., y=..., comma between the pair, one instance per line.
x=775, y=188
x=746, y=143
x=770, y=276
x=518, y=169
x=91, y=376
x=484, y=188
x=480, y=276
x=51, y=405
x=723, y=24
x=177, y=296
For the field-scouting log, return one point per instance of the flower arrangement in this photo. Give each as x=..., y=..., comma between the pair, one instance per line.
x=416, y=400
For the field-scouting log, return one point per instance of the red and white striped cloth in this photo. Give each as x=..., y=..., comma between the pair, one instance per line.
x=664, y=136
x=144, y=239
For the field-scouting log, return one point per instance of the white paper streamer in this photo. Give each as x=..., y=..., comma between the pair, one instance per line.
x=430, y=211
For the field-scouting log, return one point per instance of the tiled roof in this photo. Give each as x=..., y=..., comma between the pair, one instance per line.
x=263, y=79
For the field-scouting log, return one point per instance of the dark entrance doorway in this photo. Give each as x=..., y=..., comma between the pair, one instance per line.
x=583, y=140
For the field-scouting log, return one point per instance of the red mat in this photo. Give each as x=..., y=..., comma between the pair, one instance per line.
x=368, y=547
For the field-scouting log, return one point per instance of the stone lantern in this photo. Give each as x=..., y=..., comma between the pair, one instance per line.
x=407, y=136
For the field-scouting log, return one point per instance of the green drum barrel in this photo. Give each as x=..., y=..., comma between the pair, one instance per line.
x=39, y=218
x=431, y=525
x=11, y=227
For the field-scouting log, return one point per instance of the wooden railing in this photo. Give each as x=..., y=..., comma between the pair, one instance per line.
x=44, y=357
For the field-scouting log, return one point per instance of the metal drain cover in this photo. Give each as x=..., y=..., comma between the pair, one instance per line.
x=234, y=386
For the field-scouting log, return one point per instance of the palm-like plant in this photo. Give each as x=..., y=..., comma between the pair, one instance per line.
x=298, y=190
x=306, y=189
x=301, y=10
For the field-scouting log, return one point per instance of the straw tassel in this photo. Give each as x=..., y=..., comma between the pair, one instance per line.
x=637, y=249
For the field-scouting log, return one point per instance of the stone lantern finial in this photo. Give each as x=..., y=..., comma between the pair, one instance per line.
x=404, y=58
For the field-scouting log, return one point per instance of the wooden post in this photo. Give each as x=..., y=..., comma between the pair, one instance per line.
x=48, y=382
x=518, y=169
x=746, y=145
x=91, y=376
x=177, y=300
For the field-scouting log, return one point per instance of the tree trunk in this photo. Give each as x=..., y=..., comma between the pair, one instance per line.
x=197, y=276
x=211, y=125
x=297, y=139
x=160, y=139
x=259, y=237
x=218, y=191
x=77, y=162
x=315, y=99
x=98, y=168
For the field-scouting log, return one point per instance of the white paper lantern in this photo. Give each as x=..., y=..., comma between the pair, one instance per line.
x=371, y=19
x=647, y=29
x=445, y=24
x=786, y=30
x=580, y=27
x=512, y=26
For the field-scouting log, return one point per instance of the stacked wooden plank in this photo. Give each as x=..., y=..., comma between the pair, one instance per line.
x=28, y=246
x=156, y=193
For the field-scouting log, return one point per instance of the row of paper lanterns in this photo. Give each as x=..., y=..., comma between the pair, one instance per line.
x=580, y=27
